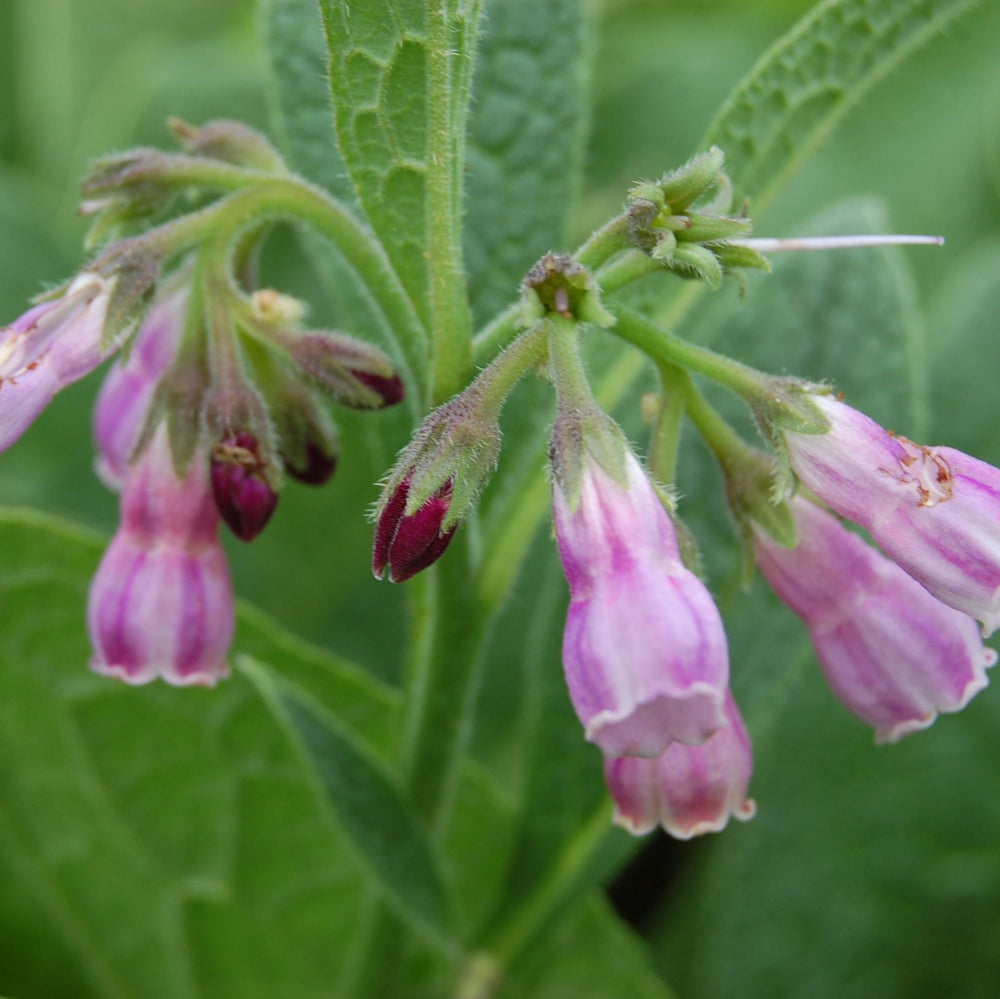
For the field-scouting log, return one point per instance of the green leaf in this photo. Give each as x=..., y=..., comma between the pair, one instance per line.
x=303, y=121
x=963, y=323
x=158, y=842
x=378, y=76
x=527, y=130
x=299, y=92
x=801, y=88
x=592, y=954
x=368, y=803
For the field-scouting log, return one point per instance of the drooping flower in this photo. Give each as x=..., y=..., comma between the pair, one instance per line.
x=893, y=653
x=129, y=385
x=687, y=790
x=933, y=510
x=49, y=347
x=161, y=604
x=644, y=648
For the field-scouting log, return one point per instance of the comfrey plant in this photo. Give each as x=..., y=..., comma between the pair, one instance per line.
x=219, y=389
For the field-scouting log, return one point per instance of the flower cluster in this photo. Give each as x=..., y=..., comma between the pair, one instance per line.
x=217, y=393
x=644, y=649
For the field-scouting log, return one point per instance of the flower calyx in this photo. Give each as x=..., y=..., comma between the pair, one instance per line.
x=559, y=285
x=685, y=219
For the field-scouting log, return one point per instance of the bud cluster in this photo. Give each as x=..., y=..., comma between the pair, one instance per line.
x=684, y=221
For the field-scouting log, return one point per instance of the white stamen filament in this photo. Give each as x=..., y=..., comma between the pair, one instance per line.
x=765, y=245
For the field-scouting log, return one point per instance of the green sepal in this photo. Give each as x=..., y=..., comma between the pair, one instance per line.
x=650, y=191
x=559, y=285
x=686, y=184
x=582, y=433
x=663, y=248
x=695, y=260
x=710, y=228
x=731, y=257
x=297, y=416
x=131, y=294
x=458, y=442
x=231, y=407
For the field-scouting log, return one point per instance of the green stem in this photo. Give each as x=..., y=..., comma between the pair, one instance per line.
x=451, y=318
x=625, y=269
x=666, y=436
x=442, y=681
x=496, y=382
x=667, y=348
x=567, y=368
x=603, y=243
x=727, y=445
x=290, y=198
x=497, y=332
x=560, y=885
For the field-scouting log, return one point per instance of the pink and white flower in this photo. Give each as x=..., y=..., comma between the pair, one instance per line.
x=161, y=604
x=933, y=510
x=687, y=790
x=49, y=347
x=644, y=649
x=893, y=653
x=128, y=387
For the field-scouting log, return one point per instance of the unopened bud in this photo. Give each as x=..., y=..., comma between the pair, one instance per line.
x=231, y=141
x=240, y=485
x=314, y=466
x=405, y=544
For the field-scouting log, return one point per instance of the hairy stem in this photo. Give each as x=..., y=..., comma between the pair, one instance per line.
x=451, y=318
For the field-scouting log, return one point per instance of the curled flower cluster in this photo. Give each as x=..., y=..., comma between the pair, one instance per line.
x=216, y=394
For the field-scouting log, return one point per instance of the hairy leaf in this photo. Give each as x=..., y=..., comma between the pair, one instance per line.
x=798, y=91
x=527, y=130
x=367, y=801
x=149, y=835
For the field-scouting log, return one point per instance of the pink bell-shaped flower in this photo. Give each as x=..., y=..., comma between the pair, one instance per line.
x=893, y=654
x=644, y=648
x=934, y=511
x=128, y=387
x=161, y=604
x=687, y=790
x=49, y=347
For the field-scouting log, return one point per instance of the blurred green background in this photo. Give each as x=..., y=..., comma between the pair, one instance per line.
x=866, y=873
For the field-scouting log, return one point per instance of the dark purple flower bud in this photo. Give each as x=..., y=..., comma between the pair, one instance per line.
x=406, y=544
x=390, y=387
x=239, y=483
x=316, y=467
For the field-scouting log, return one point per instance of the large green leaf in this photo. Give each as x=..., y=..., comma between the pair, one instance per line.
x=799, y=89
x=151, y=835
x=379, y=69
x=962, y=351
x=368, y=802
x=526, y=135
x=592, y=955
x=303, y=120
